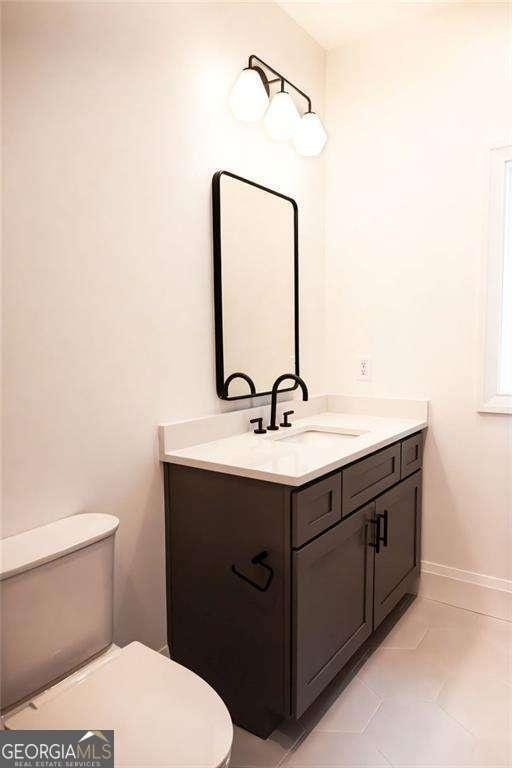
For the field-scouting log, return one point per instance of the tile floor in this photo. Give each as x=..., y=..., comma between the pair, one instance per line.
x=437, y=691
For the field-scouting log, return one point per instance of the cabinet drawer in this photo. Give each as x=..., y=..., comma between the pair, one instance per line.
x=412, y=454
x=369, y=477
x=315, y=509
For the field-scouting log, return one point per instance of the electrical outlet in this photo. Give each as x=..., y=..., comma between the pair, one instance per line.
x=364, y=372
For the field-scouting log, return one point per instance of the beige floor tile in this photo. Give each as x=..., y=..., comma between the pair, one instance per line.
x=406, y=674
x=439, y=615
x=486, y=657
x=482, y=704
x=493, y=753
x=496, y=631
x=352, y=711
x=424, y=735
x=468, y=651
x=251, y=752
x=407, y=634
x=451, y=645
x=335, y=750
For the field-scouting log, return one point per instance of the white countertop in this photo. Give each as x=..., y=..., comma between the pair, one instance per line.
x=272, y=458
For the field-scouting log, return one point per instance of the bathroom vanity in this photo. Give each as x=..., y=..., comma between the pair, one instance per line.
x=285, y=552
x=286, y=545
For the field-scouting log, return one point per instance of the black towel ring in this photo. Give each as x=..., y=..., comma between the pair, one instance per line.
x=257, y=560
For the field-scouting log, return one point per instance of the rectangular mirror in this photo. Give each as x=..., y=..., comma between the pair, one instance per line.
x=255, y=232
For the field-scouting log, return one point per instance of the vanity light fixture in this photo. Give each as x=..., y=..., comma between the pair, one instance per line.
x=310, y=136
x=249, y=98
x=281, y=118
x=249, y=101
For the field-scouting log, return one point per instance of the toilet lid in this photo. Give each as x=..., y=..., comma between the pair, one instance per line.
x=162, y=714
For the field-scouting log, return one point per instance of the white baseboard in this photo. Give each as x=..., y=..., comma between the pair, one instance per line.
x=466, y=589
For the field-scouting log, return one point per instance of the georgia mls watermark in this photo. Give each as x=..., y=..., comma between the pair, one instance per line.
x=56, y=749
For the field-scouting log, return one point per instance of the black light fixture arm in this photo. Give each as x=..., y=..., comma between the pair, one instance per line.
x=279, y=76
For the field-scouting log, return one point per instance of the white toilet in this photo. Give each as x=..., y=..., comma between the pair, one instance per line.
x=60, y=669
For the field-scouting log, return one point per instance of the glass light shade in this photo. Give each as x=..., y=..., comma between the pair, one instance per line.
x=282, y=119
x=248, y=99
x=310, y=136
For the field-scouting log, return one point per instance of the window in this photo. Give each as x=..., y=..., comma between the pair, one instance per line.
x=505, y=380
x=497, y=373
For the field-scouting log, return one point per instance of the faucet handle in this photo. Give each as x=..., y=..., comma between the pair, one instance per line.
x=259, y=430
x=286, y=423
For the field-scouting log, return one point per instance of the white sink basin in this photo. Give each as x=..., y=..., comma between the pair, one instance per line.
x=312, y=436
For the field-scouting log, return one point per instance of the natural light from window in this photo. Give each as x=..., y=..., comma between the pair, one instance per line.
x=496, y=371
x=505, y=375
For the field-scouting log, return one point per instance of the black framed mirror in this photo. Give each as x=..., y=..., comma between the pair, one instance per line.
x=256, y=286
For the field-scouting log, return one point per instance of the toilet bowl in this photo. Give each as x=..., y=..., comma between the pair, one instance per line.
x=161, y=713
x=68, y=674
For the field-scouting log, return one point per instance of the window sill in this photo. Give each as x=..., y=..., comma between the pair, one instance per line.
x=497, y=404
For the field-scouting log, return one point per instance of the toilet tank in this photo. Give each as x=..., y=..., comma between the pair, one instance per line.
x=56, y=601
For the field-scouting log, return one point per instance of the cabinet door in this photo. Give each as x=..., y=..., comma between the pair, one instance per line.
x=332, y=605
x=397, y=560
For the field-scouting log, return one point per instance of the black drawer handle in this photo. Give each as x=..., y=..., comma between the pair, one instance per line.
x=257, y=560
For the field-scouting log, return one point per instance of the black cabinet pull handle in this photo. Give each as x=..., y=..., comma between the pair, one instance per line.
x=376, y=543
x=257, y=560
x=384, y=516
x=378, y=536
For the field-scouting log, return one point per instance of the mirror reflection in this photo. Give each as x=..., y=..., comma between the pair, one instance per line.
x=255, y=252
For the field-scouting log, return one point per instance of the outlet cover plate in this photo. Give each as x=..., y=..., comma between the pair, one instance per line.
x=364, y=369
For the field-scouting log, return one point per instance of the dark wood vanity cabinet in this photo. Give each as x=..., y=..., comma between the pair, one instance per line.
x=272, y=589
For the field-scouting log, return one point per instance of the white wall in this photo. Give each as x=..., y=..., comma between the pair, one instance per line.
x=412, y=114
x=114, y=120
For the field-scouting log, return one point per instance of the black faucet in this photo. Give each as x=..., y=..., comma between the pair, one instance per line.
x=273, y=403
